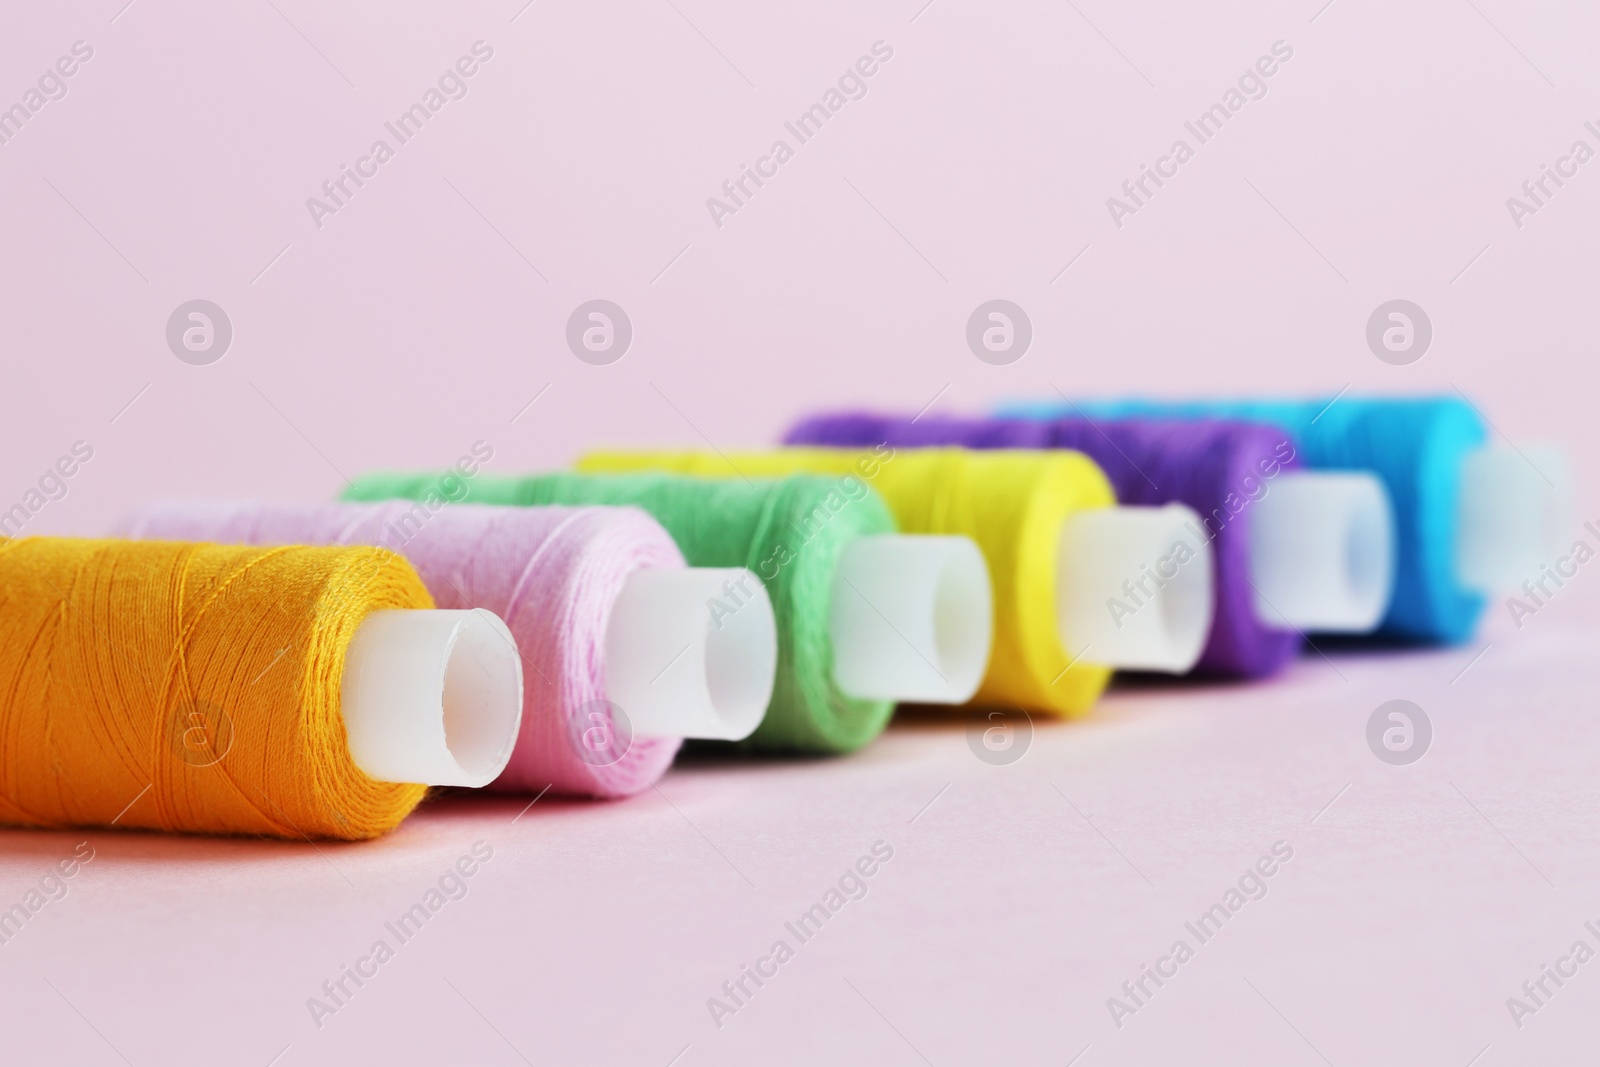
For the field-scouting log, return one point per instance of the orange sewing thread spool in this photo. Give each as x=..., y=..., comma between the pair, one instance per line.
x=198, y=687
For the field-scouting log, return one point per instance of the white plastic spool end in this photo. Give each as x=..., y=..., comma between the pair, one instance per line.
x=1515, y=508
x=1322, y=552
x=1134, y=588
x=432, y=696
x=912, y=618
x=692, y=652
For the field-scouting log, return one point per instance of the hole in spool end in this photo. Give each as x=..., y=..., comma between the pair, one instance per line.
x=741, y=654
x=1369, y=558
x=963, y=620
x=481, y=697
x=1186, y=607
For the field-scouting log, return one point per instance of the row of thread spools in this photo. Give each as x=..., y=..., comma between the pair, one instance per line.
x=308, y=671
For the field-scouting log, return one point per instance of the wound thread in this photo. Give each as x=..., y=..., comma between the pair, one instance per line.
x=189, y=687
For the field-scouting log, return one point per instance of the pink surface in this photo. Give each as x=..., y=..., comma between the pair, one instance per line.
x=430, y=313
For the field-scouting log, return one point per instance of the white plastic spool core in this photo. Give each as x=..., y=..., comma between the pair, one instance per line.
x=692, y=652
x=1515, y=507
x=912, y=618
x=433, y=697
x=1134, y=588
x=1322, y=552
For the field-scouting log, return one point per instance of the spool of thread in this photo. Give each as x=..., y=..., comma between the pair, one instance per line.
x=798, y=535
x=622, y=660
x=1293, y=551
x=1468, y=519
x=220, y=689
x=1057, y=548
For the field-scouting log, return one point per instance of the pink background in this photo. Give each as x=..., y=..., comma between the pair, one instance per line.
x=431, y=309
